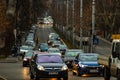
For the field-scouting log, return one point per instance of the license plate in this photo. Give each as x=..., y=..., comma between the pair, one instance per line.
x=93, y=70
x=53, y=73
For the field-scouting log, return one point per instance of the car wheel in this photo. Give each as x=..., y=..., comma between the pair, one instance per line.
x=58, y=78
x=36, y=78
x=31, y=75
x=74, y=73
x=118, y=78
x=24, y=65
x=65, y=78
x=106, y=73
x=78, y=74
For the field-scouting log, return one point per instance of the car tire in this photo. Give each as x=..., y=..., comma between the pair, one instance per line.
x=24, y=65
x=65, y=78
x=37, y=78
x=74, y=73
x=78, y=74
x=118, y=78
x=106, y=73
x=31, y=75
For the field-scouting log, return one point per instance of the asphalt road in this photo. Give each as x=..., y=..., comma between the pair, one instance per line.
x=15, y=71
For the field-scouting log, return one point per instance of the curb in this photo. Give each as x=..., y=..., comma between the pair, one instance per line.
x=105, y=40
x=2, y=78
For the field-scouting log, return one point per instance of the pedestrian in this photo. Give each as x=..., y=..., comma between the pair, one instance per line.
x=15, y=51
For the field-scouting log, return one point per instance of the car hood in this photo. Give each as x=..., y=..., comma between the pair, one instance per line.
x=89, y=63
x=51, y=64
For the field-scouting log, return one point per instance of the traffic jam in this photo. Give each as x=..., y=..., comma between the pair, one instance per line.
x=53, y=58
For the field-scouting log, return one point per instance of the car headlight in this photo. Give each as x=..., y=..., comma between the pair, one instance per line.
x=40, y=67
x=81, y=65
x=102, y=66
x=48, y=41
x=25, y=59
x=64, y=67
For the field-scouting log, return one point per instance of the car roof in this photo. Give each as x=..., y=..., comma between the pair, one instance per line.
x=87, y=54
x=51, y=48
x=75, y=50
x=38, y=52
x=49, y=54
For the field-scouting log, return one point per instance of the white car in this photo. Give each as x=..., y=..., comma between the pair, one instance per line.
x=24, y=49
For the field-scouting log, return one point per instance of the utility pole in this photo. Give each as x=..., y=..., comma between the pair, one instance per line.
x=66, y=17
x=93, y=23
x=73, y=20
x=81, y=15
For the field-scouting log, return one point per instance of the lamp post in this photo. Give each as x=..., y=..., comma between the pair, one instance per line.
x=81, y=15
x=93, y=23
x=66, y=16
x=73, y=20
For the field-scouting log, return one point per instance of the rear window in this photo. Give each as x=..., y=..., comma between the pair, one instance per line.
x=49, y=59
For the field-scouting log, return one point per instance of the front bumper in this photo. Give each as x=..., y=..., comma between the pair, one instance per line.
x=91, y=70
x=51, y=74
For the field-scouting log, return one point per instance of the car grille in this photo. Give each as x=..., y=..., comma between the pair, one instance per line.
x=52, y=68
x=92, y=67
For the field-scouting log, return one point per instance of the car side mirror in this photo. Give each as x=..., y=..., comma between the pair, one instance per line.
x=76, y=60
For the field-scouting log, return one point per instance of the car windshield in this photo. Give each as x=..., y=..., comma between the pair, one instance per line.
x=25, y=47
x=72, y=53
x=28, y=54
x=43, y=45
x=49, y=59
x=88, y=57
x=63, y=47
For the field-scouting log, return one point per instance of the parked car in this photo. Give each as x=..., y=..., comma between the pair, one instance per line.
x=70, y=55
x=27, y=58
x=87, y=63
x=48, y=66
x=43, y=47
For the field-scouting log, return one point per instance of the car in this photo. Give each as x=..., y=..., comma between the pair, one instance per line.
x=87, y=63
x=54, y=51
x=27, y=58
x=24, y=49
x=63, y=48
x=43, y=47
x=54, y=36
x=56, y=43
x=50, y=41
x=70, y=55
x=48, y=66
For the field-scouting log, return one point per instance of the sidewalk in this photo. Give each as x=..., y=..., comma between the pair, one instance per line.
x=104, y=47
x=9, y=59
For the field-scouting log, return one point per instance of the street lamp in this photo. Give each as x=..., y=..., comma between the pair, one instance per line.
x=93, y=24
x=66, y=16
x=73, y=20
x=81, y=15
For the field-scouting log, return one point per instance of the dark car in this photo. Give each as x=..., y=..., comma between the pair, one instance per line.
x=63, y=48
x=70, y=55
x=87, y=63
x=43, y=47
x=27, y=58
x=48, y=66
